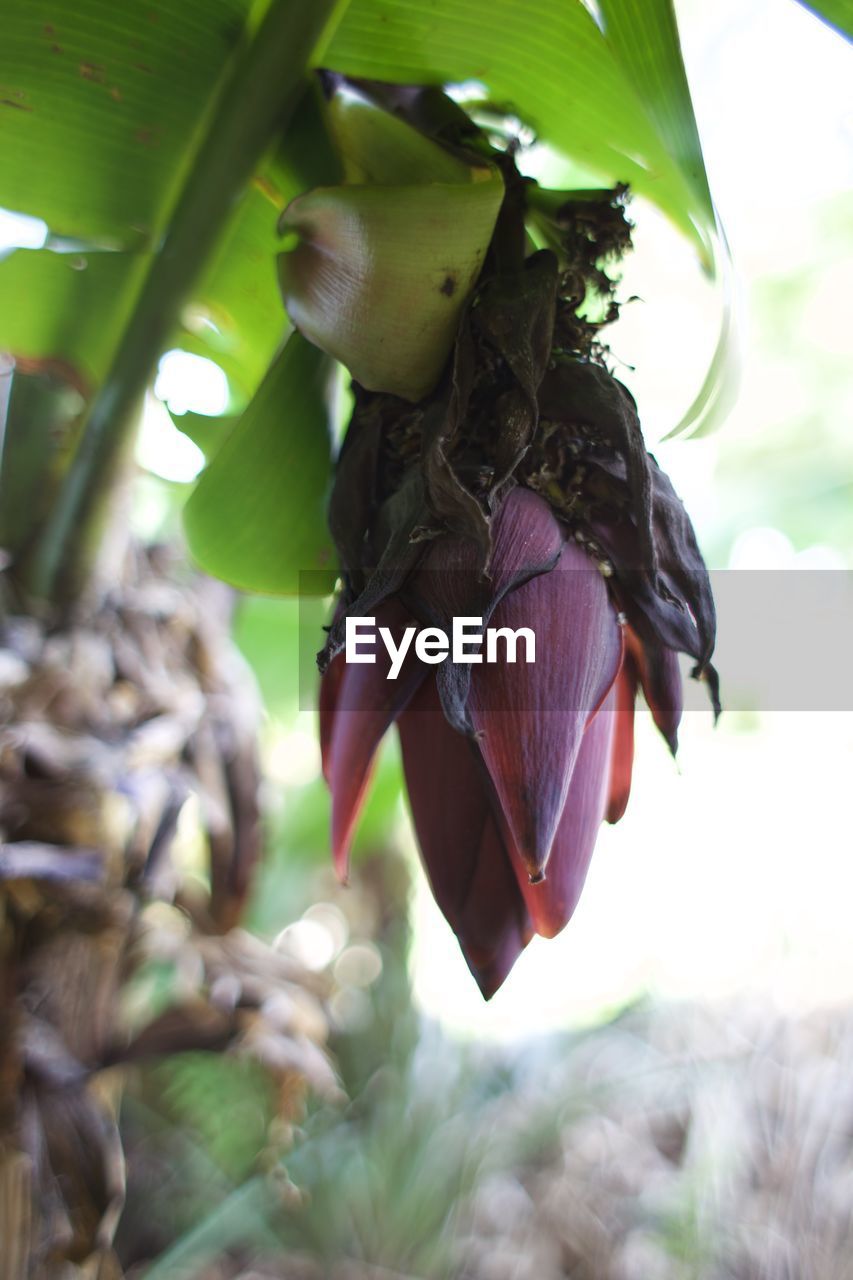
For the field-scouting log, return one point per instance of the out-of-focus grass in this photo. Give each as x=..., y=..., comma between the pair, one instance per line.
x=678, y=1142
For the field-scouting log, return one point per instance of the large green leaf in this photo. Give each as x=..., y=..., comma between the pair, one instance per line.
x=208, y=432
x=235, y=314
x=259, y=92
x=716, y=396
x=835, y=13
x=72, y=307
x=257, y=515
x=551, y=63
x=643, y=34
x=102, y=102
x=102, y=107
x=612, y=96
x=67, y=307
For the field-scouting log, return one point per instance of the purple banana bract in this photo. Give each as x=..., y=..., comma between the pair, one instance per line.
x=507, y=813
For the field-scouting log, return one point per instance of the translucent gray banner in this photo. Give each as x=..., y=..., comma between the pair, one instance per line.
x=784, y=638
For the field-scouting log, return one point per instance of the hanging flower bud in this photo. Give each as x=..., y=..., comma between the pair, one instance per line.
x=518, y=491
x=507, y=815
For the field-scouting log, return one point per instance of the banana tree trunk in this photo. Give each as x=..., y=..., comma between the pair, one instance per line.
x=128, y=778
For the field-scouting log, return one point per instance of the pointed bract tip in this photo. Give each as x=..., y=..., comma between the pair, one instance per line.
x=340, y=859
x=708, y=672
x=489, y=976
x=488, y=982
x=534, y=855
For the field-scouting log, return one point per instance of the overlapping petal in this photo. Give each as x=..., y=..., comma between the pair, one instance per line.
x=552, y=901
x=507, y=810
x=358, y=707
x=464, y=855
x=660, y=678
x=622, y=752
x=526, y=541
x=530, y=718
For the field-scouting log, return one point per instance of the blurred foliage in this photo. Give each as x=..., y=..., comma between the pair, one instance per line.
x=195, y=1129
x=387, y=1182
x=200, y=1130
x=675, y=1142
x=140, y=85
x=786, y=459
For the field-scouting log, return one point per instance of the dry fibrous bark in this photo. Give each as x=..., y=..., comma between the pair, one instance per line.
x=129, y=826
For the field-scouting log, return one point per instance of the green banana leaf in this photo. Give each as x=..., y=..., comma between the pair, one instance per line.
x=112, y=114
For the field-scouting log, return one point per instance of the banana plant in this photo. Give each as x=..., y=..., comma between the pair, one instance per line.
x=153, y=152
x=284, y=189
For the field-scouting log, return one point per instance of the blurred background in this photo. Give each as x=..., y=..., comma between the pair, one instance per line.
x=665, y=1089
